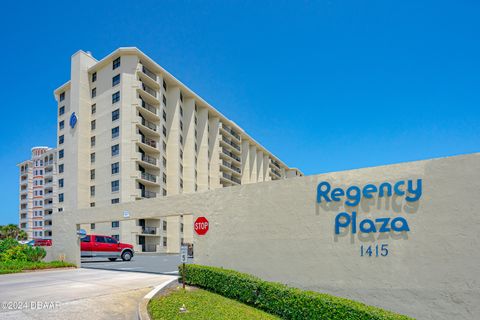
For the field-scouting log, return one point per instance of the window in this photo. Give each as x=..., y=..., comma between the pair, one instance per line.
x=115, y=80
x=164, y=99
x=60, y=209
x=60, y=197
x=164, y=225
x=164, y=241
x=60, y=183
x=181, y=97
x=115, y=132
x=92, y=226
x=164, y=85
x=60, y=154
x=116, y=237
x=181, y=183
x=116, y=63
x=92, y=174
x=181, y=111
x=115, y=114
x=93, y=124
x=115, y=224
x=60, y=139
x=181, y=125
x=164, y=115
x=164, y=192
x=116, y=97
x=115, y=168
x=164, y=162
x=61, y=111
x=181, y=154
x=164, y=145
x=115, y=185
x=94, y=108
x=92, y=157
x=100, y=239
x=111, y=240
x=164, y=178
x=164, y=130
x=92, y=141
x=61, y=125
x=60, y=168
x=94, y=92
x=115, y=150
x=181, y=140
x=94, y=77
x=92, y=191
x=86, y=238
x=62, y=96
x=92, y=204
x=115, y=201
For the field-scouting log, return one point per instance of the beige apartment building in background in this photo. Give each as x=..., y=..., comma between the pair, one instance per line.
x=37, y=193
x=129, y=130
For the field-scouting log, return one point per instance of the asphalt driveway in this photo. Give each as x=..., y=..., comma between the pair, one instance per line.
x=74, y=294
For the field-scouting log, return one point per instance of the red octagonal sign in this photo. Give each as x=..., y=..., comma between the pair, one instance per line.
x=201, y=226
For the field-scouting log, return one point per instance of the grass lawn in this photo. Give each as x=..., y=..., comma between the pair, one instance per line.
x=19, y=266
x=201, y=304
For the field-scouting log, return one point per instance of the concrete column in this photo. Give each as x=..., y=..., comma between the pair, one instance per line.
x=202, y=142
x=260, y=176
x=266, y=168
x=253, y=164
x=173, y=140
x=173, y=234
x=188, y=228
x=245, y=162
x=214, y=147
x=189, y=146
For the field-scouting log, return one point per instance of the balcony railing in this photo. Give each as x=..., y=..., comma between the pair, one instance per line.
x=148, y=194
x=149, y=73
x=149, y=159
x=149, y=90
x=150, y=142
x=231, y=155
x=233, y=133
x=148, y=177
x=229, y=165
x=231, y=143
x=149, y=125
x=149, y=230
x=231, y=178
x=276, y=164
x=276, y=172
x=149, y=107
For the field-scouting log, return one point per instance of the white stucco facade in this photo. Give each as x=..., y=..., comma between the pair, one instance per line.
x=278, y=231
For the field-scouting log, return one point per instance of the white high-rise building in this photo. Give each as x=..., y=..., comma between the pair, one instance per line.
x=37, y=193
x=128, y=130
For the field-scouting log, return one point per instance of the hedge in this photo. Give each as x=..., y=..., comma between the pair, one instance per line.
x=278, y=299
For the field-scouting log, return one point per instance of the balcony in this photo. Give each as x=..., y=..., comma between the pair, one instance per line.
x=149, y=90
x=231, y=167
x=148, y=176
x=48, y=172
x=275, y=173
x=230, y=155
x=230, y=178
x=230, y=132
x=23, y=216
x=23, y=191
x=47, y=184
x=148, y=127
x=230, y=144
x=48, y=205
x=147, y=194
x=275, y=164
x=148, y=145
x=149, y=73
x=150, y=230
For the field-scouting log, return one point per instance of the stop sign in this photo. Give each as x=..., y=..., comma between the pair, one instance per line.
x=201, y=226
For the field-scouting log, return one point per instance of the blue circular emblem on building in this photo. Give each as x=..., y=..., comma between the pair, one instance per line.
x=73, y=120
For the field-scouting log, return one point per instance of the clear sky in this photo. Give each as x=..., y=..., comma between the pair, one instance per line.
x=324, y=85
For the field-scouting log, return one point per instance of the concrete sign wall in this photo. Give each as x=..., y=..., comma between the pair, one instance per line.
x=403, y=237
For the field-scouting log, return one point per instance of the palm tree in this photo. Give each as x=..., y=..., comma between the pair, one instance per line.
x=11, y=231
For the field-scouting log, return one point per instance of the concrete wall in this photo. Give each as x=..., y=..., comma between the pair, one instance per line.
x=277, y=231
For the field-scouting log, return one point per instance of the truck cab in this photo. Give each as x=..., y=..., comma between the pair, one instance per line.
x=101, y=246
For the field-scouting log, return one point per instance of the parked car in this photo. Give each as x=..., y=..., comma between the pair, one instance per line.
x=42, y=242
x=100, y=246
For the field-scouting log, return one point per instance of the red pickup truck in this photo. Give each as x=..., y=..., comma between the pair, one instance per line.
x=99, y=246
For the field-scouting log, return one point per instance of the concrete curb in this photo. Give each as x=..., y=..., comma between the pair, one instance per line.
x=142, y=311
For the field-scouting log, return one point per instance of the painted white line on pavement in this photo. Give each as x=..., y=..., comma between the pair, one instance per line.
x=158, y=288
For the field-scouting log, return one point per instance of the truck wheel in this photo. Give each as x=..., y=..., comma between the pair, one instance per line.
x=127, y=256
x=112, y=259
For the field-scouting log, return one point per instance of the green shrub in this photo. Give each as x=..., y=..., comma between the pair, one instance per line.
x=280, y=300
x=15, y=254
x=34, y=254
x=8, y=244
x=11, y=250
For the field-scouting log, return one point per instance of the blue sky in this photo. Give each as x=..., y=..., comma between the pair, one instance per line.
x=324, y=85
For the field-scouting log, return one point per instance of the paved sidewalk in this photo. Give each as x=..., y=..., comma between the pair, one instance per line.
x=74, y=294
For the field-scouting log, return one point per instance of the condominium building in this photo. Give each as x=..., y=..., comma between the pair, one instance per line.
x=129, y=130
x=37, y=193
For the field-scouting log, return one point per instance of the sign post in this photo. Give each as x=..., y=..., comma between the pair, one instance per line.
x=183, y=260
